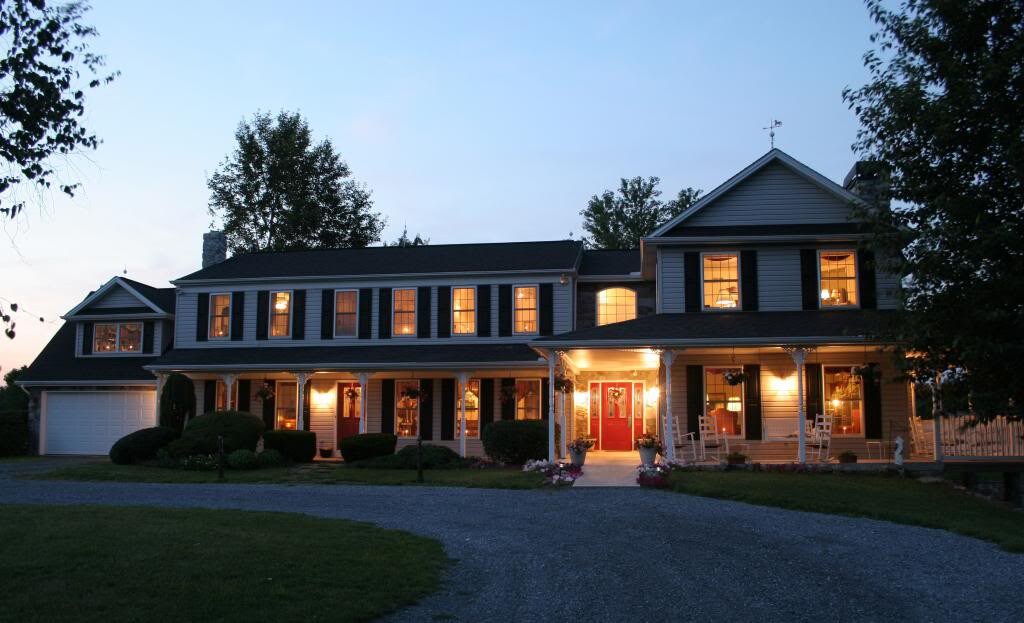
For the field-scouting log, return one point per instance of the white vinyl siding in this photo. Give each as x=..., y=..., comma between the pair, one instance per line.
x=117, y=297
x=670, y=281
x=778, y=279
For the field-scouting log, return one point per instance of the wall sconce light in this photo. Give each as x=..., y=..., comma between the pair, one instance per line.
x=322, y=399
x=651, y=395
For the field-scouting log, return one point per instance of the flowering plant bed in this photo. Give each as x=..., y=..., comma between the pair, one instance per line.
x=555, y=473
x=655, y=476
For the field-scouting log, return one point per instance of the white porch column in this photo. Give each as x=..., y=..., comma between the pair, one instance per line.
x=364, y=387
x=463, y=379
x=229, y=387
x=799, y=355
x=161, y=381
x=300, y=398
x=552, y=362
x=668, y=357
x=937, y=420
x=563, y=450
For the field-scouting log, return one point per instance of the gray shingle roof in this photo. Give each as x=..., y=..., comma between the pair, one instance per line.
x=610, y=262
x=57, y=362
x=162, y=297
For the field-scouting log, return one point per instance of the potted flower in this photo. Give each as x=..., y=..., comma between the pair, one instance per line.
x=847, y=457
x=578, y=450
x=649, y=447
x=655, y=476
x=734, y=377
x=736, y=458
x=326, y=450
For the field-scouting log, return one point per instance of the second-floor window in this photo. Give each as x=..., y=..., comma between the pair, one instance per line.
x=838, y=274
x=463, y=311
x=615, y=305
x=345, y=305
x=721, y=280
x=220, y=315
x=117, y=337
x=404, y=311
x=280, y=314
x=524, y=306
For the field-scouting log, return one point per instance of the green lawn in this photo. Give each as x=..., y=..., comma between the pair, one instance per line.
x=496, y=478
x=901, y=500
x=91, y=563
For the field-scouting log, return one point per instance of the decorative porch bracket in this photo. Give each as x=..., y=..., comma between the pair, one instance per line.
x=668, y=357
x=463, y=381
x=364, y=387
x=301, y=378
x=229, y=389
x=799, y=355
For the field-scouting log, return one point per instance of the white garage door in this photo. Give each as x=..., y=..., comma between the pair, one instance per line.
x=90, y=422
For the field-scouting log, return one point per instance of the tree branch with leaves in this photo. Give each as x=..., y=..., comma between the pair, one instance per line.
x=619, y=220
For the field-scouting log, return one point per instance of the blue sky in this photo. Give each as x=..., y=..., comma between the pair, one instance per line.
x=469, y=121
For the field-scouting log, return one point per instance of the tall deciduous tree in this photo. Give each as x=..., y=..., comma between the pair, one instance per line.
x=620, y=220
x=405, y=241
x=279, y=191
x=942, y=111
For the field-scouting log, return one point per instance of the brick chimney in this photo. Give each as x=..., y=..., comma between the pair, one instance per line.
x=215, y=248
x=869, y=180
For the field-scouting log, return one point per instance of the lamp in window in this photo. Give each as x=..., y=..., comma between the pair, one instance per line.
x=825, y=295
x=734, y=405
x=726, y=298
x=281, y=304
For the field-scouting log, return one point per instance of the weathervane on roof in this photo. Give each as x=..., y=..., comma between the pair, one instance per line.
x=771, y=131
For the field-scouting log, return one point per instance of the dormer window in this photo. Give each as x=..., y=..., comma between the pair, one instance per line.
x=837, y=272
x=721, y=280
x=117, y=337
x=280, y=314
x=220, y=315
x=615, y=305
x=404, y=314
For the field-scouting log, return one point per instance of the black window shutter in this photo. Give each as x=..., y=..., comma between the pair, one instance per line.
x=299, y=315
x=307, y=393
x=269, y=411
x=423, y=311
x=504, y=310
x=237, y=315
x=694, y=398
x=508, y=403
x=483, y=311
x=866, y=275
x=447, y=409
x=262, y=314
x=427, y=409
x=748, y=282
x=752, y=401
x=387, y=406
x=547, y=309
x=384, y=313
x=545, y=399
x=365, y=313
x=244, y=395
x=202, y=316
x=326, y=314
x=209, y=396
x=147, y=336
x=86, y=338
x=815, y=402
x=444, y=311
x=486, y=403
x=873, y=405
x=691, y=281
x=809, y=278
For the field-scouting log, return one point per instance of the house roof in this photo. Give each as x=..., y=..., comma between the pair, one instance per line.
x=391, y=357
x=555, y=255
x=163, y=297
x=151, y=300
x=610, y=262
x=57, y=363
x=726, y=328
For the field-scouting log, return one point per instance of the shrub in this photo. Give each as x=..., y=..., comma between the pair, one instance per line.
x=165, y=460
x=177, y=401
x=243, y=459
x=270, y=458
x=14, y=435
x=142, y=445
x=240, y=431
x=434, y=457
x=516, y=441
x=367, y=446
x=200, y=462
x=295, y=445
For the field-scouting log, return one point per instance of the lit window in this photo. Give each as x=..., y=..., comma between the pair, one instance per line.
x=615, y=305
x=285, y=398
x=117, y=337
x=345, y=304
x=407, y=408
x=525, y=309
x=838, y=270
x=724, y=402
x=280, y=314
x=721, y=281
x=221, y=403
x=404, y=313
x=527, y=399
x=472, y=411
x=463, y=311
x=220, y=315
x=843, y=399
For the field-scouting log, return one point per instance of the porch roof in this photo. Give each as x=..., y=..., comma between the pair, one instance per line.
x=726, y=329
x=368, y=357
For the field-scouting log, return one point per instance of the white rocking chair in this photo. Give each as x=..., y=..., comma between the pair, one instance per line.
x=710, y=439
x=820, y=436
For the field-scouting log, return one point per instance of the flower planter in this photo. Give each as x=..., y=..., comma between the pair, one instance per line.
x=326, y=453
x=847, y=460
x=736, y=461
x=647, y=456
x=578, y=457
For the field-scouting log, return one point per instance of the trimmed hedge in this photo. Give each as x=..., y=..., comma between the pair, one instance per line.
x=243, y=459
x=14, y=436
x=241, y=431
x=367, y=446
x=516, y=441
x=270, y=458
x=298, y=446
x=142, y=445
x=434, y=457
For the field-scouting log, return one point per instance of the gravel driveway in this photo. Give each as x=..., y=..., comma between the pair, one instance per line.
x=629, y=554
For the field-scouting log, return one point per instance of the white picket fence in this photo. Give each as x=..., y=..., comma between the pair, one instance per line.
x=999, y=437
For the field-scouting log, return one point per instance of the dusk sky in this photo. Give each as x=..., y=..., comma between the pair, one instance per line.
x=468, y=122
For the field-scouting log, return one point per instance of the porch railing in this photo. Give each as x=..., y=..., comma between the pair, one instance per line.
x=962, y=437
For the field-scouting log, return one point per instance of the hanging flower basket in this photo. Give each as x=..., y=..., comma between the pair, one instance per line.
x=413, y=393
x=563, y=384
x=868, y=373
x=266, y=391
x=508, y=394
x=734, y=377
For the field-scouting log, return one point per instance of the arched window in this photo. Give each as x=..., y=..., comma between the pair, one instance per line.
x=615, y=305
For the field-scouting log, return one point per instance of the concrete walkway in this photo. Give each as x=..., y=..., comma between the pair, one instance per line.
x=609, y=469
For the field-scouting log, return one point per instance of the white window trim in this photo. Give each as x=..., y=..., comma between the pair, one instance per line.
x=270, y=315
x=743, y=398
x=210, y=317
x=856, y=279
x=117, y=352
x=419, y=406
x=739, y=283
x=415, y=314
x=540, y=396
x=476, y=316
x=597, y=304
x=334, y=319
x=863, y=403
x=479, y=410
x=536, y=289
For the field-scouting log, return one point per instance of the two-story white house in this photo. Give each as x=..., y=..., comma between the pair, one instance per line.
x=765, y=276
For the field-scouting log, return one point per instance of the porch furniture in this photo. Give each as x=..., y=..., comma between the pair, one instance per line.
x=819, y=436
x=876, y=445
x=922, y=436
x=691, y=438
x=710, y=439
x=776, y=428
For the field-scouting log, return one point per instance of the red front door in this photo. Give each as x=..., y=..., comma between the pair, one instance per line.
x=348, y=410
x=616, y=416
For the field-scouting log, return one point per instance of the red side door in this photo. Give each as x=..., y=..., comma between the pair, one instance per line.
x=616, y=412
x=348, y=410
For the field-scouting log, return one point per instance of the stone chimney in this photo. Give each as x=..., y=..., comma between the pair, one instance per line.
x=869, y=180
x=215, y=248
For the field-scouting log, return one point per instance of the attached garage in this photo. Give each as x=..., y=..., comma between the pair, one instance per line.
x=89, y=422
